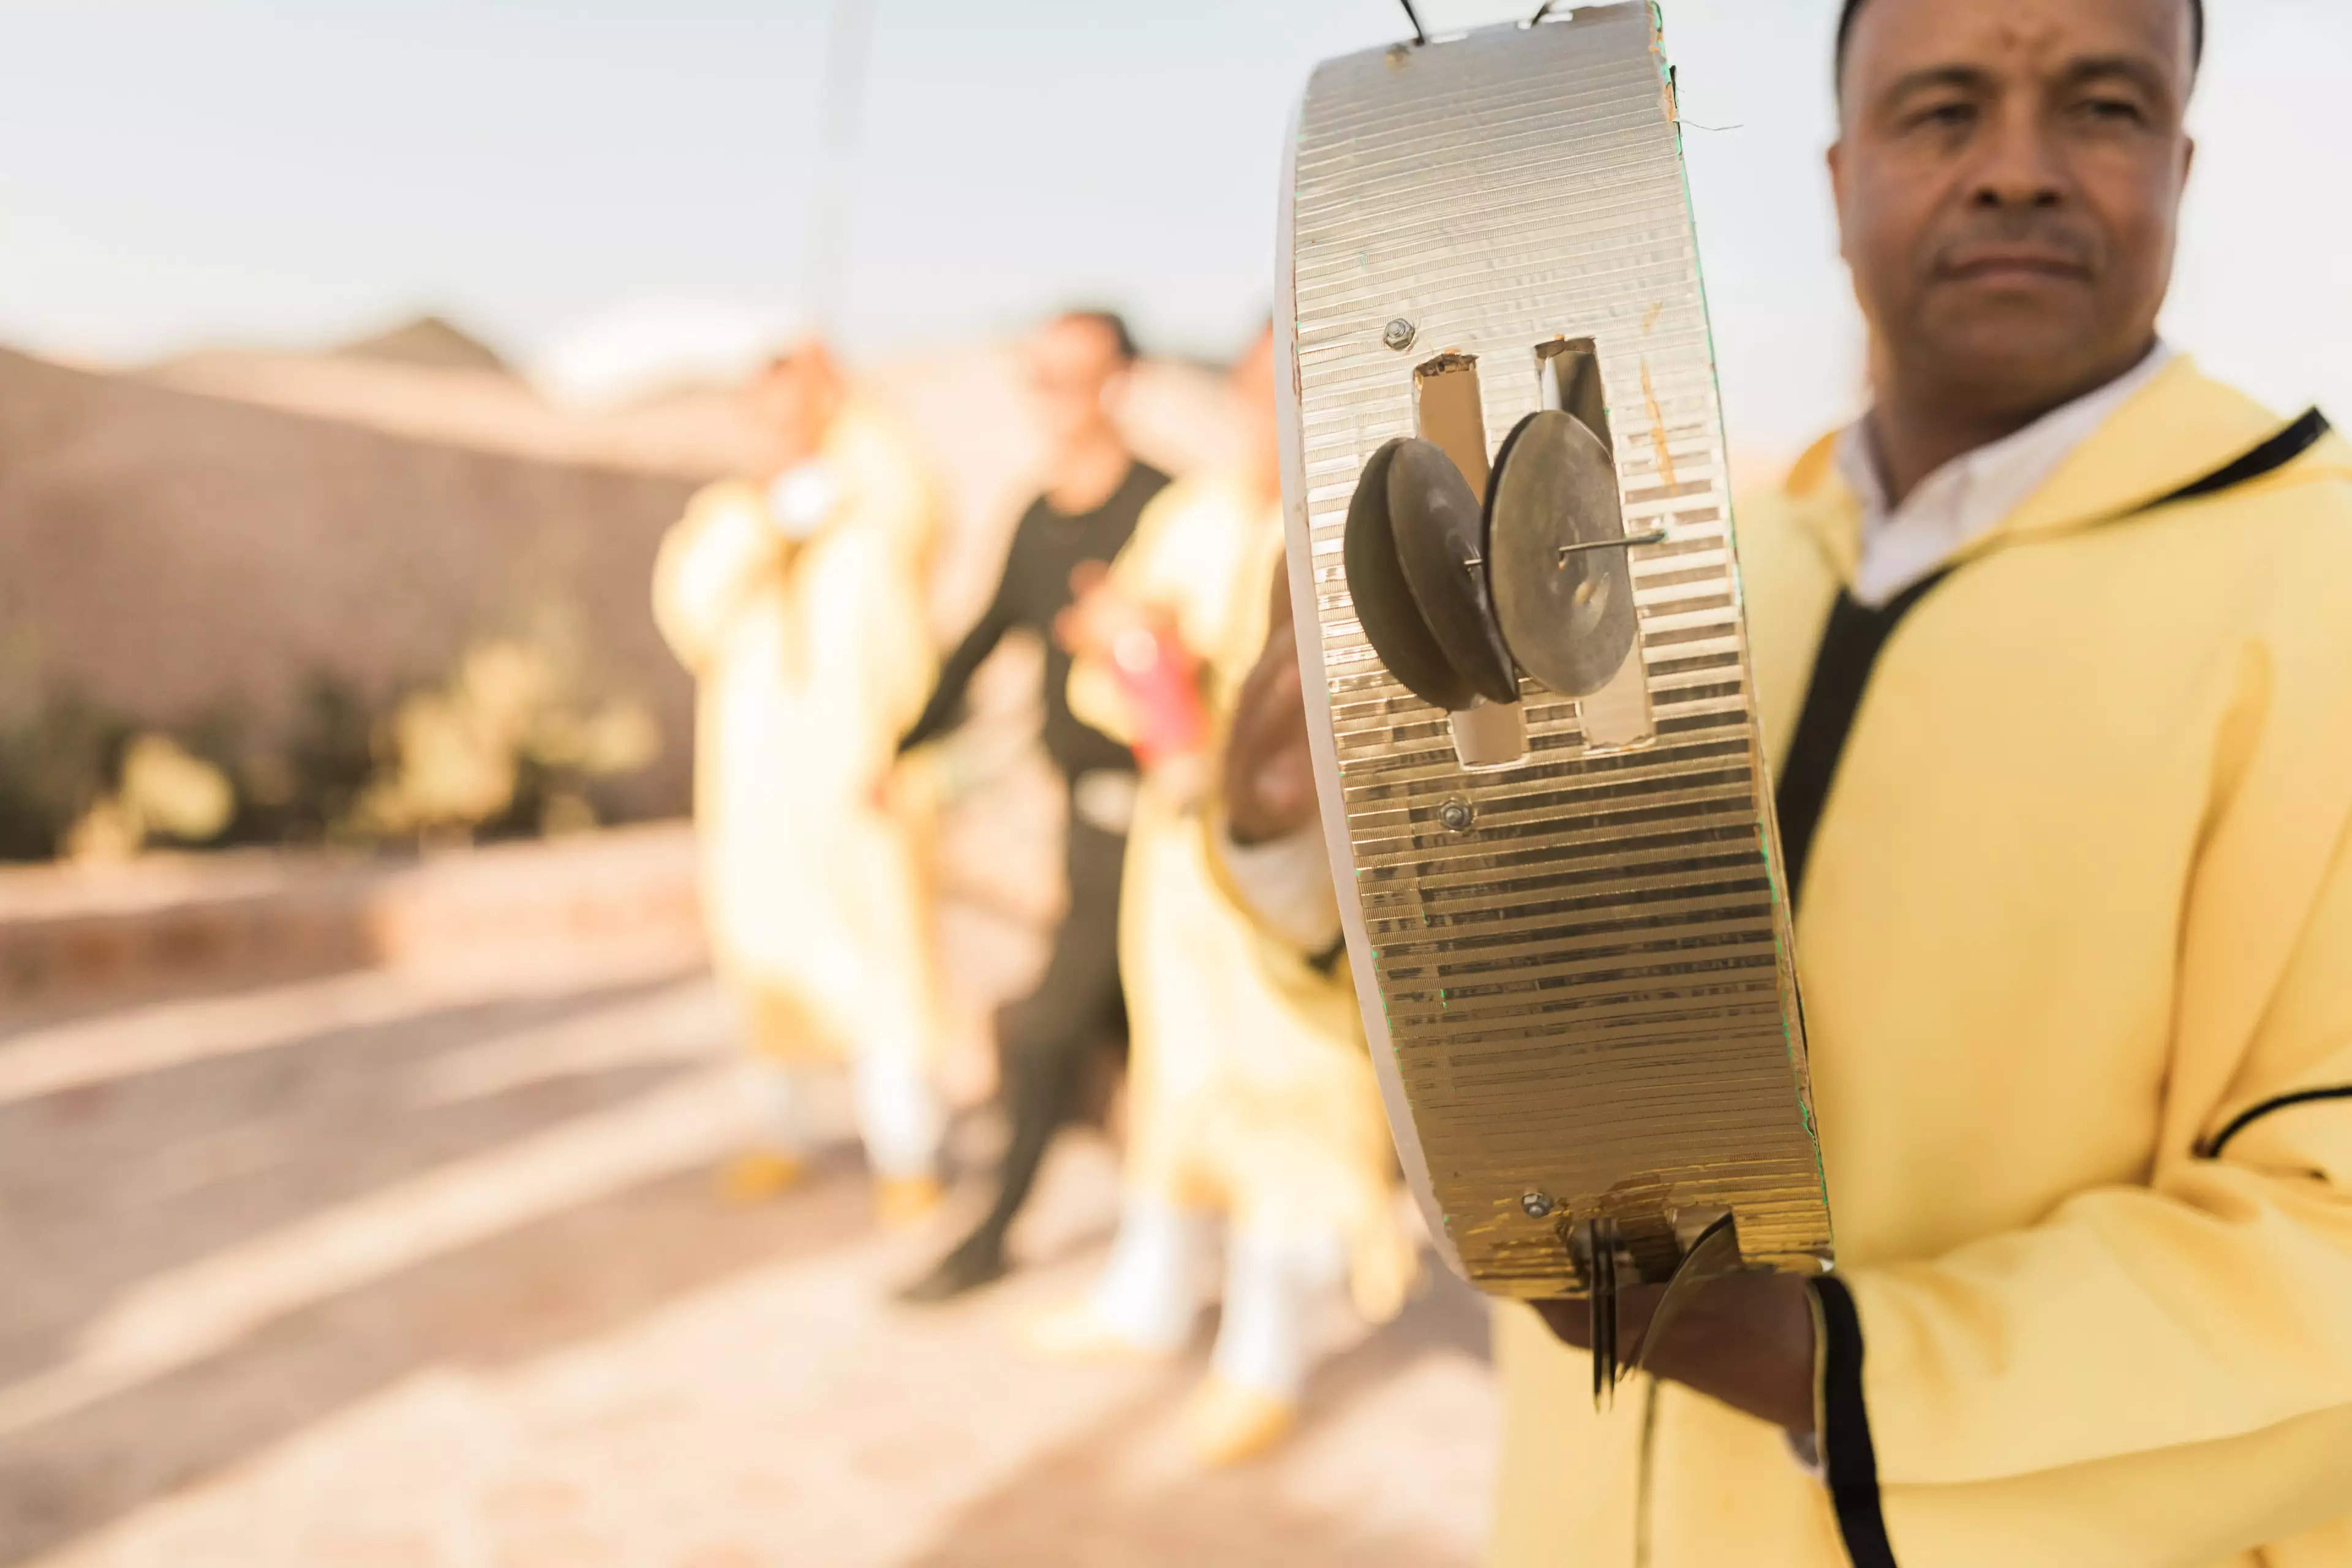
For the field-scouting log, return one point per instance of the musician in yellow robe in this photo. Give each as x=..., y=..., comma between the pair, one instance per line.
x=1247, y=1100
x=797, y=601
x=2074, y=895
x=2054, y=660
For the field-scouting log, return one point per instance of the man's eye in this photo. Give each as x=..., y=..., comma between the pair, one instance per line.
x=1955, y=115
x=2110, y=111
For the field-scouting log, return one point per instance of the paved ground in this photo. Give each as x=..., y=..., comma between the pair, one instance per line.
x=383, y=1269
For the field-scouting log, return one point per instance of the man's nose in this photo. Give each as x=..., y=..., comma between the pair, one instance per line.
x=2020, y=168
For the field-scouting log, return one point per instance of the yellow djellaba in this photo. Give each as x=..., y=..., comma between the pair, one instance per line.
x=799, y=607
x=2075, y=941
x=1251, y=1099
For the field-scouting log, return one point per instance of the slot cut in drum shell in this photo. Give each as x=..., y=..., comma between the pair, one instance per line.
x=1563, y=591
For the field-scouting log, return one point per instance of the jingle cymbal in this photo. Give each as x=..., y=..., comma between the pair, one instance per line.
x=1565, y=607
x=1385, y=604
x=1440, y=532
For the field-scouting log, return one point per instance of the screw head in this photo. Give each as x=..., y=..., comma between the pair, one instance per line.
x=1456, y=816
x=1538, y=1205
x=1398, y=334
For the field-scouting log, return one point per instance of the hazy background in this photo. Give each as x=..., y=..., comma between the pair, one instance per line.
x=175, y=173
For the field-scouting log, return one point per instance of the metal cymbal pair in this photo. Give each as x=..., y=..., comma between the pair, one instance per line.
x=1457, y=596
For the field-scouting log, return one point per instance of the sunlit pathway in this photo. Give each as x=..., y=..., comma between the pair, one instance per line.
x=385, y=1270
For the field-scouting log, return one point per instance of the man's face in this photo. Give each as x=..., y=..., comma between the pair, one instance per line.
x=1073, y=364
x=1254, y=390
x=2009, y=181
x=793, y=403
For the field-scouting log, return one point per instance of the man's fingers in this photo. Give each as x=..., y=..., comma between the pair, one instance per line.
x=1278, y=612
x=1269, y=770
x=1572, y=1321
x=1744, y=1339
x=1285, y=785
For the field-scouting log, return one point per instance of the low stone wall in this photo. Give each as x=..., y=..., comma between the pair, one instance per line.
x=72, y=935
x=168, y=555
x=209, y=538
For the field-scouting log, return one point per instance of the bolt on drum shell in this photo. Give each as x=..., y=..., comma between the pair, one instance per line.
x=1576, y=971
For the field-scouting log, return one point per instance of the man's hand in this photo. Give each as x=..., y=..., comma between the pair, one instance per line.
x=1744, y=1339
x=1269, y=773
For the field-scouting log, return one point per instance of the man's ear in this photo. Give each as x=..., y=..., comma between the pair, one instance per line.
x=1836, y=160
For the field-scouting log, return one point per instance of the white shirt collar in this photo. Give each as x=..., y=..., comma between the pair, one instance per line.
x=1970, y=495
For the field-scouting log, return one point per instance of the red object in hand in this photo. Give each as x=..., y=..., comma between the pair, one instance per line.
x=1162, y=682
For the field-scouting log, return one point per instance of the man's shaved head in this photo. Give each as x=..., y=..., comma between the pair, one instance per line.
x=1847, y=17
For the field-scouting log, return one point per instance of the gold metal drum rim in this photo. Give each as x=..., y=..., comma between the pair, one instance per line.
x=1495, y=194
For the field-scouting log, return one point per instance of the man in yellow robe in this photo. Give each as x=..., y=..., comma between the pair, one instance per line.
x=2075, y=918
x=2054, y=650
x=797, y=602
x=1247, y=1101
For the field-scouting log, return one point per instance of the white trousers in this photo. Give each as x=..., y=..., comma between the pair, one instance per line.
x=898, y=1113
x=1152, y=1289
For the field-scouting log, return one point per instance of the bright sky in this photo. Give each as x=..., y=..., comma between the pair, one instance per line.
x=175, y=173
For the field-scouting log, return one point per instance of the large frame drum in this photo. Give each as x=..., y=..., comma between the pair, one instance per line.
x=1511, y=557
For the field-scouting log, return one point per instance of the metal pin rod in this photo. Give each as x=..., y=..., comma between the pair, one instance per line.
x=1419, y=35
x=1656, y=536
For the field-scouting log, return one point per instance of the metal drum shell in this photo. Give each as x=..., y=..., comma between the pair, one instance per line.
x=1577, y=973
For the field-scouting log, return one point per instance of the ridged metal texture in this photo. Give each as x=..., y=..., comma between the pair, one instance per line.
x=1586, y=995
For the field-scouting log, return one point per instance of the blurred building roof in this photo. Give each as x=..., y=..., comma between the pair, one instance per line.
x=428, y=340
x=690, y=434
x=964, y=403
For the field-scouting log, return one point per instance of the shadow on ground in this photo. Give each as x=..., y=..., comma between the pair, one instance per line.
x=531, y=1291
x=105, y=1184
x=1072, y=1505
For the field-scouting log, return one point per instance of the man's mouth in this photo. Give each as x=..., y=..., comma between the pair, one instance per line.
x=2013, y=265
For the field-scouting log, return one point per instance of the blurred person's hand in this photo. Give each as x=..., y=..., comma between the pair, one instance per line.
x=1269, y=772
x=1157, y=676
x=1099, y=614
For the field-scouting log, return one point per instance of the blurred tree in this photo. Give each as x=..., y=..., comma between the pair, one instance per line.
x=57, y=761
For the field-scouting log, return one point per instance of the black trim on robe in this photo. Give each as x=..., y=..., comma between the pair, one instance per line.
x=1847, y=1453
x=2272, y=455
x=2254, y=1113
x=1855, y=636
x=1849, y=651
